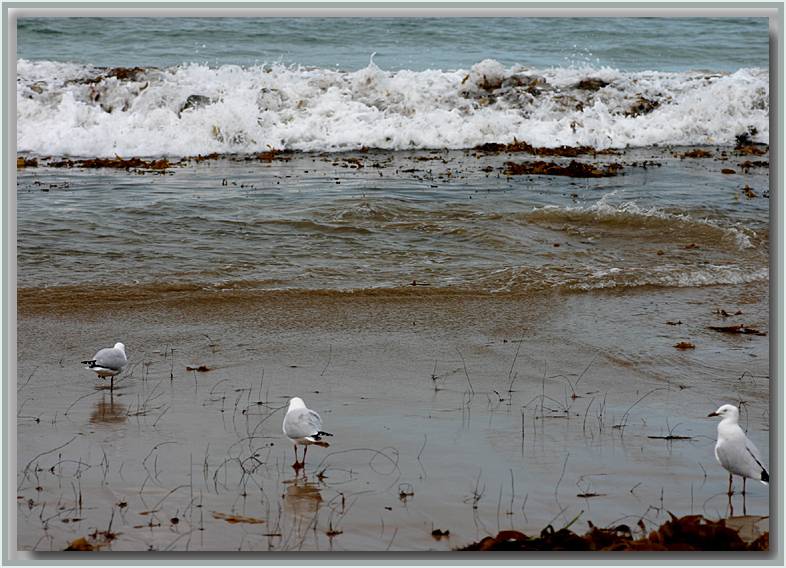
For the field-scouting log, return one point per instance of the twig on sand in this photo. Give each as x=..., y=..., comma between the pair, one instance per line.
x=471, y=390
x=330, y=356
x=510, y=372
x=27, y=467
x=624, y=419
x=20, y=387
x=561, y=475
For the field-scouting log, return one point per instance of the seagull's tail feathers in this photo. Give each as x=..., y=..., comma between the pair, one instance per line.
x=765, y=477
x=91, y=363
x=317, y=440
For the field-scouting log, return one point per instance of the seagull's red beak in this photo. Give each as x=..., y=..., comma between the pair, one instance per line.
x=713, y=414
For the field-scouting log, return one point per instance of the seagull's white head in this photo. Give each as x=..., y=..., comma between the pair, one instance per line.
x=727, y=412
x=120, y=346
x=296, y=403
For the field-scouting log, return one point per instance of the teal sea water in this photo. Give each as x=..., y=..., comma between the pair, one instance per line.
x=629, y=44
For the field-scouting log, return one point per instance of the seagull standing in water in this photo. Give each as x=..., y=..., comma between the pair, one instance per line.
x=108, y=362
x=734, y=451
x=304, y=427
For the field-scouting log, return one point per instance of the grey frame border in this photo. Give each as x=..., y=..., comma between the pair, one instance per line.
x=773, y=10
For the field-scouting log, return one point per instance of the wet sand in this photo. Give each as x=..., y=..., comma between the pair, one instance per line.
x=462, y=412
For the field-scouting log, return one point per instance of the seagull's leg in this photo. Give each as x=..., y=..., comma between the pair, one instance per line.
x=730, y=493
x=305, y=449
x=744, y=479
x=296, y=463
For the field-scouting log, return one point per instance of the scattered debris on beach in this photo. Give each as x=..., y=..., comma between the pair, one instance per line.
x=691, y=532
x=92, y=542
x=22, y=162
x=723, y=313
x=748, y=164
x=117, y=162
x=697, y=153
x=748, y=192
x=237, y=518
x=574, y=169
x=670, y=437
x=563, y=151
x=685, y=345
x=741, y=328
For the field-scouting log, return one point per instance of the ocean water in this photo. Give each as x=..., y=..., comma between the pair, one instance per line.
x=382, y=186
x=417, y=44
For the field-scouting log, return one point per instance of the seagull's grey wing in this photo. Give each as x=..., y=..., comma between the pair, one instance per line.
x=110, y=358
x=734, y=455
x=754, y=453
x=301, y=423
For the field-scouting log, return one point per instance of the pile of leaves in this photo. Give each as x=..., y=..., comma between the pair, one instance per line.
x=692, y=532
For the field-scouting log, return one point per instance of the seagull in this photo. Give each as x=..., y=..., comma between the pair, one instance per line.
x=108, y=362
x=734, y=451
x=304, y=427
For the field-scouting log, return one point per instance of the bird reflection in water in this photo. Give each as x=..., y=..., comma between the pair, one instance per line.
x=302, y=498
x=109, y=412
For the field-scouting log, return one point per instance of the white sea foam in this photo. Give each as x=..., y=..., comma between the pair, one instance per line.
x=249, y=109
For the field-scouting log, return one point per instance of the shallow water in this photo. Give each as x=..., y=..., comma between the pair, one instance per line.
x=450, y=220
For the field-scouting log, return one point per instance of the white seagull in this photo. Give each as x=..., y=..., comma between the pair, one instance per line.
x=304, y=427
x=734, y=451
x=108, y=362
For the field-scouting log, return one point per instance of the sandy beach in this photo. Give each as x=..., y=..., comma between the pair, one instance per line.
x=454, y=412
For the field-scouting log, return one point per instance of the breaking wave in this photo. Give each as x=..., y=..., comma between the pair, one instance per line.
x=81, y=110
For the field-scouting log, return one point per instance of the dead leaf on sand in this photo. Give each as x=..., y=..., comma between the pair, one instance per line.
x=237, y=518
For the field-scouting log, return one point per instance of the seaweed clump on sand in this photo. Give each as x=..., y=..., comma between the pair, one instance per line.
x=116, y=162
x=22, y=162
x=747, y=147
x=692, y=532
x=573, y=169
x=564, y=151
